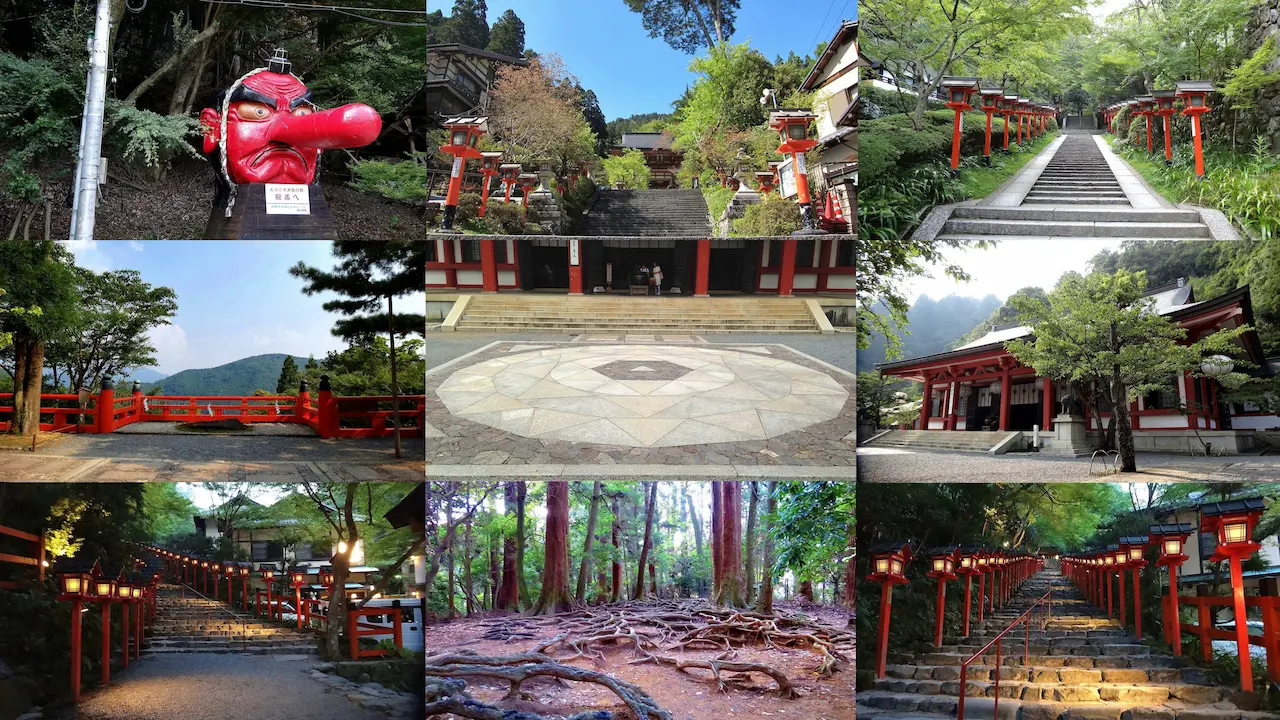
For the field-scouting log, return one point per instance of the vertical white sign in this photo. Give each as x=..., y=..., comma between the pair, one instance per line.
x=573, y=252
x=457, y=166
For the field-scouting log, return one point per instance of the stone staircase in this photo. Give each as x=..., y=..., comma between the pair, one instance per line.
x=1077, y=195
x=1267, y=441
x=973, y=441
x=648, y=213
x=647, y=315
x=1082, y=665
x=193, y=624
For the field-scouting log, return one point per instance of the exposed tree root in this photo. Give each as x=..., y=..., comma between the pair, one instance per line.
x=450, y=696
x=515, y=669
x=785, y=690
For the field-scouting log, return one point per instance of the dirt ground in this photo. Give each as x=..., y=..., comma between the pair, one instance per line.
x=692, y=695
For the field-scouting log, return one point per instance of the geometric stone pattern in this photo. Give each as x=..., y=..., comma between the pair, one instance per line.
x=646, y=396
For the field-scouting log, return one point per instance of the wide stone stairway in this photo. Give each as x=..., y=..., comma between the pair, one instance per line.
x=647, y=315
x=1081, y=666
x=973, y=441
x=1075, y=194
x=649, y=213
x=193, y=624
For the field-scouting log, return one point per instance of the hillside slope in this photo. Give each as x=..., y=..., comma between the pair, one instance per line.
x=240, y=377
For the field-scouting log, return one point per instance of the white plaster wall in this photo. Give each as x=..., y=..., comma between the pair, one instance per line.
x=470, y=277
x=841, y=282
x=506, y=278
x=768, y=281
x=436, y=277
x=1256, y=422
x=1152, y=422
x=807, y=281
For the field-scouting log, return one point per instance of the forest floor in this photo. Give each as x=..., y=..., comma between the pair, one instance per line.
x=603, y=639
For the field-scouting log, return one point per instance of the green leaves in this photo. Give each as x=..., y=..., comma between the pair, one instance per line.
x=629, y=169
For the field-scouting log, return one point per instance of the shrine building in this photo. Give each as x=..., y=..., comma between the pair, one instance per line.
x=981, y=387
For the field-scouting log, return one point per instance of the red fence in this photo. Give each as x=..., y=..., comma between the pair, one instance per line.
x=329, y=415
x=1203, y=627
x=37, y=561
x=357, y=630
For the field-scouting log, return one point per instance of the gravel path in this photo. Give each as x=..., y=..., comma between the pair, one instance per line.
x=201, y=448
x=219, y=687
x=898, y=465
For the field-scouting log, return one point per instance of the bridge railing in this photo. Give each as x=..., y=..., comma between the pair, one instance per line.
x=58, y=413
x=331, y=416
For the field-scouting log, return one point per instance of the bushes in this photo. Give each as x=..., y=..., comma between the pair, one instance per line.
x=887, y=102
x=773, y=215
x=150, y=139
x=630, y=169
x=405, y=180
x=717, y=200
x=891, y=142
x=891, y=207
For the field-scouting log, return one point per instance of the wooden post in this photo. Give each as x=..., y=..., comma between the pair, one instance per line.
x=882, y=639
x=106, y=642
x=106, y=406
x=701, y=282
x=1242, y=625
x=968, y=580
x=1204, y=623
x=787, y=272
x=1269, y=592
x=75, y=650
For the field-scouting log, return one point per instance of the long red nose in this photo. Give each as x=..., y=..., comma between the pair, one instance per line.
x=349, y=126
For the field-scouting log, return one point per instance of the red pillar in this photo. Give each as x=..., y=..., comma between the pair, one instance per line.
x=106, y=642
x=1005, y=387
x=484, y=195
x=488, y=263
x=1242, y=627
x=244, y=592
x=986, y=147
x=106, y=406
x=701, y=283
x=882, y=651
x=1168, y=140
x=1175, y=623
x=926, y=404
x=1195, y=136
x=968, y=588
x=446, y=256
x=1048, y=401
x=75, y=651
x=955, y=141
x=575, y=267
x=940, y=606
x=1137, y=604
x=297, y=595
x=787, y=272
x=1120, y=588
x=982, y=598
x=124, y=633
x=1006, y=132
x=510, y=184
x=455, y=189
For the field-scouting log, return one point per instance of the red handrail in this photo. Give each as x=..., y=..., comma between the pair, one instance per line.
x=1026, y=653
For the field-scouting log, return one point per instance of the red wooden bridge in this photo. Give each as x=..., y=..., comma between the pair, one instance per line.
x=331, y=416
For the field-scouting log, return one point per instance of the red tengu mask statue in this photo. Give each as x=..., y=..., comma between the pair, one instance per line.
x=266, y=129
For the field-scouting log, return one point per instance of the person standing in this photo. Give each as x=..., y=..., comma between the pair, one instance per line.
x=657, y=279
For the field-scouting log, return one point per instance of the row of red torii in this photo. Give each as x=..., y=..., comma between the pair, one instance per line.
x=330, y=415
x=1232, y=523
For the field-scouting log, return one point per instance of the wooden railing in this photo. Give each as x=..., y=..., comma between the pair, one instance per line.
x=37, y=560
x=59, y=412
x=1204, y=630
x=357, y=629
x=1046, y=601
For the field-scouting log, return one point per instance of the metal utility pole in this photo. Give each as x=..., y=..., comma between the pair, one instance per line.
x=89, y=163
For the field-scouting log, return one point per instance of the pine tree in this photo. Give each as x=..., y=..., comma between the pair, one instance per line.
x=507, y=35
x=312, y=365
x=468, y=24
x=288, y=382
x=367, y=275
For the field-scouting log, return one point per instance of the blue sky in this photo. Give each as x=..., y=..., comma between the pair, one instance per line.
x=607, y=48
x=235, y=299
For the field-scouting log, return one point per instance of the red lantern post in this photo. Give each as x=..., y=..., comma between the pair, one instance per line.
x=1134, y=546
x=1164, y=103
x=527, y=181
x=943, y=563
x=1146, y=108
x=77, y=583
x=991, y=98
x=985, y=568
x=1007, y=107
x=269, y=577
x=793, y=131
x=1121, y=563
x=510, y=173
x=968, y=567
x=1170, y=538
x=464, y=133
x=958, y=90
x=244, y=584
x=1195, y=102
x=215, y=569
x=764, y=181
x=297, y=577
x=1233, y=522
x=488, y=167
x=1108, y=564
x=888, y=562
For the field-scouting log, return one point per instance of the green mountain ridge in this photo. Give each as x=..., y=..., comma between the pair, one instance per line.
x=240, y=377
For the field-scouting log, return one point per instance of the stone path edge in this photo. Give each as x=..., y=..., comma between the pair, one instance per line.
x=666, y=472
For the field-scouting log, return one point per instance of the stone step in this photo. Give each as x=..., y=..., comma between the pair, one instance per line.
x=1143, y=230
x=1013, y=656
x=1044, y=674
x=648, y=329
x=1073, y=200
x=1095, y=214
x=901, y=706
x=1128, y=650
x=1054, y=691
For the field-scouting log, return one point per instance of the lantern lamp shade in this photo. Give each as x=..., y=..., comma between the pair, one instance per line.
x=1216, y=365
x=939, y=564
x=1111, y=559
x=1235, y=530
x=966, y=562
x=268, y=572
x=136, y=591
x=244, y=570
x=104, y=587
x=1135, y=553
x=882, y=565
x=124, y=590
x=1172, y=546
x=1232, y=520
x=897, y=567
x=77, y=583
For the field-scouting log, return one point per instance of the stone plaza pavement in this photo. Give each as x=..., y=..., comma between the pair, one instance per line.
x=173, y=458
x=877, y=464
x=594, y=407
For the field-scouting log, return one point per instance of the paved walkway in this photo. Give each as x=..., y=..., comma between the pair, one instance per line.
x=213, y=458
x=219, y=687
x=901, y=465
x=547, y=408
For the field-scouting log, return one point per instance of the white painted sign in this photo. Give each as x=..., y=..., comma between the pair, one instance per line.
x=787, y=178
x=457, y=167
x=287, y=199
x=573, y=252
x=800, y=168
x=608, y=272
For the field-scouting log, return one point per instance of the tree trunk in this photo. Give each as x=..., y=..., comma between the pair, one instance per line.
x=650, y=500
x=509, y=590
x=806, y=589
x=615, y=593
x=848, y=571
x=491, y=586
x=521, y=494
x=175, y=60
x=27, y=386
x=653, y=579
x=585, y=570
x=338, y=603
x=1124, y=428
x=749, y=553
x=555, y=560
x=466, y=560
x=731, y=546
x=716, y=529
x=451, y=579
x=693, y=518
x=765, y=601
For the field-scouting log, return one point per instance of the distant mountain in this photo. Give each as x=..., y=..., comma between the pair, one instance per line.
x=144, y=375
x=241, y=377
x=935, y=326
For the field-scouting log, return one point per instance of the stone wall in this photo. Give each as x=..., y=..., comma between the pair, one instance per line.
x=736, y=208
x=545, y=210
x=1266, y=117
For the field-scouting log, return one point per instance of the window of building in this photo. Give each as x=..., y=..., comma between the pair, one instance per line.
x=266, y=550
x=804, y=253
x=1163, y=399
x=432, y=255
x=775, y=253
x=844, y=253
x=500, y=252
x=935, y=406
x=470, y=251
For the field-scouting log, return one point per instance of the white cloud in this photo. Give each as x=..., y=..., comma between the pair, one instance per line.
x=1008, y=267
x=170, y=342
x=89, y=254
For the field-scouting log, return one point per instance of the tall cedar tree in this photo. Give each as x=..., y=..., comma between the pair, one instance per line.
x=506, y=37
x=288, y=382
x=367, y=275
x=509, y=591
x=555, y=595
x=650, y=501
x=688, y=25
x=731, y=582
x=848, y=570
x=584, y=571
x=764, y=603
x=749, y=571
x=615, y=592
x=34, y=275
